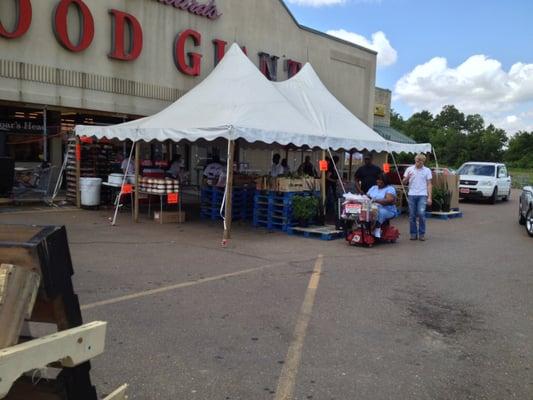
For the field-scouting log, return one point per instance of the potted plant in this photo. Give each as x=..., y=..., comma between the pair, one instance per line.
x=304, y=208
x=442, y=198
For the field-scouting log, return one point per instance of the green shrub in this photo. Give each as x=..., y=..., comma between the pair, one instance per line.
x=304, y=208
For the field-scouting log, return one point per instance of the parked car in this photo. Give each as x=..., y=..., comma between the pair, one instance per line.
x=443, y=171
x=393, y=177
x=525, y=209
x=484, y=180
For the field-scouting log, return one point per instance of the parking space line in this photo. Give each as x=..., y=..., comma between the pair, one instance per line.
x=164, y=289
x=287, y=380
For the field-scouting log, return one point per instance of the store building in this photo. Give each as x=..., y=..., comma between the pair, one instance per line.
x=64, y=62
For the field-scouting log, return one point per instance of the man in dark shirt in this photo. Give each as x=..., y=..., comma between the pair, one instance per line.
x=331, y=184
x=366, y=175
x=307, y=168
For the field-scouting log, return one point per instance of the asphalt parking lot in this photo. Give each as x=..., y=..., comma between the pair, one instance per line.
x=279, y=317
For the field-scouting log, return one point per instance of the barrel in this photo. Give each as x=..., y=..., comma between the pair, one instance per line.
x=90, y=191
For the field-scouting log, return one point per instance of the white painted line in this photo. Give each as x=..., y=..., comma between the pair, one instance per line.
x=287, y=380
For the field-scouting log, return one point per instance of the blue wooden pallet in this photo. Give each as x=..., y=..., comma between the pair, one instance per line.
x=238, y=205
x=282, y=195
x=218, y=199
x=273, y=210
x=216, y=216
x=444, y=215
x=322, y=232
x=236, y=189
x=271, y=226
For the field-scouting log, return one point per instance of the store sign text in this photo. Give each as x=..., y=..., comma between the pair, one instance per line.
x=127, y=36
x=20, y=127
x=208, y=10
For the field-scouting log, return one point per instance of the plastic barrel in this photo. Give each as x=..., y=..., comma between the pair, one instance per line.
x=90, y=191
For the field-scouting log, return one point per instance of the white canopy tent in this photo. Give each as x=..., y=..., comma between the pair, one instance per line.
x=341, y=129
x=237, y=102
x=234, y=101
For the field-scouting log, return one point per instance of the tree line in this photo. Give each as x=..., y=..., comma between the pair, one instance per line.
x=458, y=138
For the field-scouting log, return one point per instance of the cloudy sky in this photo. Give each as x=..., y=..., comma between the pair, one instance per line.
x=476, y=54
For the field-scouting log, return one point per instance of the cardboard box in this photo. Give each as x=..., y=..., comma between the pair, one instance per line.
x=169, y=217
x=266, y=183
x=287, y=184
x=290, y=185
x=452, y=183
x=243, y=180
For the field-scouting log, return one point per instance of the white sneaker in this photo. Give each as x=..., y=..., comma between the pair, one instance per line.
x=377, y=233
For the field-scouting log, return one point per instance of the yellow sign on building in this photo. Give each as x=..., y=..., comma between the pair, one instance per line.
x=379, y=110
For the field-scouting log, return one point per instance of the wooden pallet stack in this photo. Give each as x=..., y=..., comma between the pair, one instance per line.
x=96, y=158
x=72, y=185
x=242, y=204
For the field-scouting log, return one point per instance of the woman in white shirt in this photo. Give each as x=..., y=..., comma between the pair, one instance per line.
x=128, y=168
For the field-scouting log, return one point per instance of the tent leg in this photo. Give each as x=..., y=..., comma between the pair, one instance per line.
x=137, y=186
x=351, y=167
x=323, y=184
x=78, y=171
x=436, y=161
x=229, y=192
x=117, y=202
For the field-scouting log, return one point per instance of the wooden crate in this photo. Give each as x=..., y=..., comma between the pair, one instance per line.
x=45, y=249
x=169, y=217
x=18, y=291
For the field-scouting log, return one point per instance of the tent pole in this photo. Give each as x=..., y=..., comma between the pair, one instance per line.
x=229, y=192
x=337, y=171
x=45, y=134
x=436, y=161
x=137, y=185
x=78, y=171
x=323, y=184
x=351, y=167
x=117, y=201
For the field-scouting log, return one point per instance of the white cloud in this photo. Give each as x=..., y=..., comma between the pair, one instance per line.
x=511, y=119
x=387, y=55
x=478, y=85
x=515, y=123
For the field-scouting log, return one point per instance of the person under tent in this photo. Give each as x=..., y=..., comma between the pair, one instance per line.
x=366, y=175
x=213, y=170
x=276, y=169
x=307, y=168
x=285, y=166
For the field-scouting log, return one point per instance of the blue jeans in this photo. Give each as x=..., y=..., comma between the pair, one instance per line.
x=384, y=215
x=417, y=209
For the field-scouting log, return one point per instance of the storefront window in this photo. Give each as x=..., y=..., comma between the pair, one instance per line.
x=21, y=134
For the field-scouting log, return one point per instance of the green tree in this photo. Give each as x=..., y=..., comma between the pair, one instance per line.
x=457, y=137
x=451, y=118
x=397, y=121
x=420, y=126
x=519, y=153
x=492, y=144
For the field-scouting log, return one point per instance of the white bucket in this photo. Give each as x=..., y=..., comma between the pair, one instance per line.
x=90, y=191
x=116, y=179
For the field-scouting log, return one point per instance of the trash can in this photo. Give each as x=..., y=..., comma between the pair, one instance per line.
x=90, y=191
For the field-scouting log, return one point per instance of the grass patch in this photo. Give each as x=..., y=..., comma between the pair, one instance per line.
x=521, y=177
